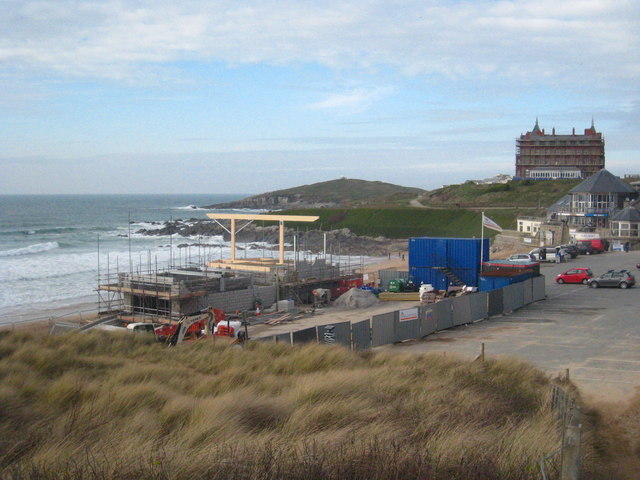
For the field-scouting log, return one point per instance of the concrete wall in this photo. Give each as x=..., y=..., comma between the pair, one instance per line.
x=231, y=301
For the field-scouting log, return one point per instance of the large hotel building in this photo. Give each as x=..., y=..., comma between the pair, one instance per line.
x=540, y=155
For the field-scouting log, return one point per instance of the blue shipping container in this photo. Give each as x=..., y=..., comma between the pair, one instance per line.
x=427, y=255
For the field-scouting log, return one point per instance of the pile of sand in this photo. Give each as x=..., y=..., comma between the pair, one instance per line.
x=356, y=298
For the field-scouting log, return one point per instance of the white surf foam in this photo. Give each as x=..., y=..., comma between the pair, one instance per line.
x=31, y=249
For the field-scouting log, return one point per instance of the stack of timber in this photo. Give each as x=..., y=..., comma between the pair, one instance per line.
x=399, y=296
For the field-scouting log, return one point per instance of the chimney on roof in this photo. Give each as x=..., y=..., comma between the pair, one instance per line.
x=543, y=131
x=553, y=131
x=574, y=131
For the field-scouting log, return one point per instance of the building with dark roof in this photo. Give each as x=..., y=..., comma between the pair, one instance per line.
x=597, y=199
x=543, y=156
x=625, y=224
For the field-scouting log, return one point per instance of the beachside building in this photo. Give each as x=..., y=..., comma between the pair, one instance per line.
x=542, y=156
x=625, y=225
x=597, y=199
x=529, y=225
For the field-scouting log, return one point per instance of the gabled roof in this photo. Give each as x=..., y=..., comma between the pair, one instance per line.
x=627, y=214
x=602, y=182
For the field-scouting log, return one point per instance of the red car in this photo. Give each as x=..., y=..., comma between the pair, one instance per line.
x=575, y=275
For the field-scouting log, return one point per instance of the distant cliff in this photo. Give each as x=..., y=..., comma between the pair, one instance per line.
x=333, y=193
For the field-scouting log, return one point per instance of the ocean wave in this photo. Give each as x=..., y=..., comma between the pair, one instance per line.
x=31, y=249
x=191, y=207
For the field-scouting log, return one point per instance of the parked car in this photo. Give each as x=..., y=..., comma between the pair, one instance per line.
x=571, y=249
x=595, y=245
x=613, y=278
x=522, y=258
x=549, y=257
x=584, y=248
x=575, y=275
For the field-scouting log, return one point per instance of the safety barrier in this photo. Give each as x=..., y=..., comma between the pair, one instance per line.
x=418, y=322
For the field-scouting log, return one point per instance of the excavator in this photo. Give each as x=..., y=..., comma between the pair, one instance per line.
x=202, y=323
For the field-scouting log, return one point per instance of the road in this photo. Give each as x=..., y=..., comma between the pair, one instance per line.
x=595, y=333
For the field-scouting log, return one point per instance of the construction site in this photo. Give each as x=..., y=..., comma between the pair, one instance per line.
x=164, y=295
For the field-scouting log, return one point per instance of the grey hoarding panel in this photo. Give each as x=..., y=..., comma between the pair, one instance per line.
x=335, y=334
x=512, y=297
x=427, y=321
x=478, y=303
x=444, y=314
x=408, y=324
x=361, y=335
x=408, y=330
x=383, y=329
x=461, y=310
x=283, y=338
x=538, y=288
x=496, y=306
x=527, y=292
x=305, y=336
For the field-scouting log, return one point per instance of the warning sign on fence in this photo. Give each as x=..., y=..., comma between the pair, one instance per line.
x=410, y=314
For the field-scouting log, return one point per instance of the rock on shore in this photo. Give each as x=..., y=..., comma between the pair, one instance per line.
x=342, y=241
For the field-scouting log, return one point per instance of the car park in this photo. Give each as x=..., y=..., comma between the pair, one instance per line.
x=613, y=278
x=575, y=275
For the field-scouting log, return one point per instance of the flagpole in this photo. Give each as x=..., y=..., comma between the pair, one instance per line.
x=482, y=242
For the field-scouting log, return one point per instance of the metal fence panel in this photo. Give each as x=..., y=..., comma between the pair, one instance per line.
x=538, y=289
x=361, y=335
x=461, y=310
x=527, y=292
x=335, y=334
x=305, y=336
x=513, y=297
x=283, y=338
x=444, y=314
x=408, y=326
x=478, y=302
x=427, y=321
x=496, y=306
x=383, y=329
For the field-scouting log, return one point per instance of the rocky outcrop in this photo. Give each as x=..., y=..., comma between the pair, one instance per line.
x=339, y=242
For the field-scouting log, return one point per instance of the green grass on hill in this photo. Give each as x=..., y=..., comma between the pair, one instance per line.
x=407, y=222
x=516, y=193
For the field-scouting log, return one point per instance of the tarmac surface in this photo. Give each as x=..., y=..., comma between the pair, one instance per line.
x=595, y=333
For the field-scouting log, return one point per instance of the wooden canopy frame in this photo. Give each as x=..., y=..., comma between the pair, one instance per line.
x=250, y=218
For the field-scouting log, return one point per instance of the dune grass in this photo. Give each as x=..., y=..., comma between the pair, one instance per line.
x=100, y=405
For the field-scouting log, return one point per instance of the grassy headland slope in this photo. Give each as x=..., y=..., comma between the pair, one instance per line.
x=100, y=405
x=340, y=192
x=516, y=193
x=406, y=222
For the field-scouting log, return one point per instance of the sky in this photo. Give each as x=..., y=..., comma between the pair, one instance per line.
x=207, y=96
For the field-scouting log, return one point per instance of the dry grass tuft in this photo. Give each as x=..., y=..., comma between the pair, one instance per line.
x=119, y=407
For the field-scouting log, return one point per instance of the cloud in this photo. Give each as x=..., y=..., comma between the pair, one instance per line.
x=542, y=42
x=355, y=99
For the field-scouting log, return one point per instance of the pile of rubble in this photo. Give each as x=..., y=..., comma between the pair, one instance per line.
x=356, y=298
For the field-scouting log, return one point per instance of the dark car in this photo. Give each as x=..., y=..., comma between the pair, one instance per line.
x=584, y=248
x=572, y=250
x=613, y=278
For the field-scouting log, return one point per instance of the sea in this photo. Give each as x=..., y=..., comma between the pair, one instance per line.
x=54, y=248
